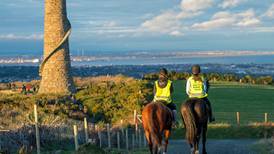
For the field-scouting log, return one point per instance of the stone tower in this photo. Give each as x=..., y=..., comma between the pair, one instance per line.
x=55, y=69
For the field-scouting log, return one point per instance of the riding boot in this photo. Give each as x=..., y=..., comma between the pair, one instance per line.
x=174, y=118
x=211, y=117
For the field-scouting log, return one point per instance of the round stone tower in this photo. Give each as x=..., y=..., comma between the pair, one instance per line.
x=55, y=69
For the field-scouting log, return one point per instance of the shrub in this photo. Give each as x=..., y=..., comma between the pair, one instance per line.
x=114, y=98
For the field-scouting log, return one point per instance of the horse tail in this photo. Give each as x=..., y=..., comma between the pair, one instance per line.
x=153, y=126
x=187, y=112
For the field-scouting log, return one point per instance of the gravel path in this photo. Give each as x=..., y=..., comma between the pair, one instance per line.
x=215, y=147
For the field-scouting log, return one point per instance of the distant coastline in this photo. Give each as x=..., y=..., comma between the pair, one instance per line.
x=161, y=57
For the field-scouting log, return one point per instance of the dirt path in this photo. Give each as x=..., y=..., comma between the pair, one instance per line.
x=215, y=147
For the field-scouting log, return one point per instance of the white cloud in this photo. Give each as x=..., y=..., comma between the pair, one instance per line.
x=246, y=22
x=226, y=19
x=170, y=22
x=176, y=33
x=21, y=37
x=108, y=29
x=263, y=29
x=270, y=12
x=195, y=5
x=214, y=23
x=110, y=24
x=185, y=14
x=166, y=23
x=230, y=3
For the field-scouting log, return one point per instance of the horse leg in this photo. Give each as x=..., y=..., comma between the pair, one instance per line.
x=166, y=135
x=196, y=147
x=196, y=144
x=191, y=149
x=149, y=141
x=155, y=149
x=204, y=138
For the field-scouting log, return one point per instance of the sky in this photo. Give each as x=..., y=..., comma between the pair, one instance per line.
x=143, y=25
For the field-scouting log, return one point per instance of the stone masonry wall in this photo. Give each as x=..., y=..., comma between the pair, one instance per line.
x=56, y=75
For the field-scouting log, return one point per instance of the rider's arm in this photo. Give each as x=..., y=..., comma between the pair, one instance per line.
x=154, y=89
x=187, y=87
x=171, y=88
x=206, y=86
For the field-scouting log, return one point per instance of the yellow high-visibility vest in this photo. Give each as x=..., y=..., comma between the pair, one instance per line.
x=196, y=89
x=163, y=94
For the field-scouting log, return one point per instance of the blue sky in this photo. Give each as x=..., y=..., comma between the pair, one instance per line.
x=143, y=25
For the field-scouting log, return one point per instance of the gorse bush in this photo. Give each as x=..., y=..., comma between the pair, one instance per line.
x=114, y=98
x=107, y=98
x=17, y=109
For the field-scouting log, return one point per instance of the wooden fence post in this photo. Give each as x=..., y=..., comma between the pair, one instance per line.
x=127, y=139
x=133, y=141
x=75, y=132
x=122, y=128
x=118, y=140
x=134, y=116
x=108, y=133
x=238, y=118
x=136, y=136
x=86, y=129
x=140, y=138
x=99, y=136
x=145, y=140
x=37, y=130
x=135, y=120
x=265, y=117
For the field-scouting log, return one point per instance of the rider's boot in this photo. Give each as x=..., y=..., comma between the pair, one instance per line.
x=211, y=118
x=174, y=121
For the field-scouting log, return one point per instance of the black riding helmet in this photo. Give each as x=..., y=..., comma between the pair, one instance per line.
x=196, y=69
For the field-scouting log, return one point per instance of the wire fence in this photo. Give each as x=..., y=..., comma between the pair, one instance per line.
x=243, y=118
x=70, y=136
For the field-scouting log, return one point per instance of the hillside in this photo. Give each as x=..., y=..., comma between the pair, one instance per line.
x=112, y=98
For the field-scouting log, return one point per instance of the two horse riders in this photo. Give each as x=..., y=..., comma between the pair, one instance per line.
x=197, y=87
x=157, y=118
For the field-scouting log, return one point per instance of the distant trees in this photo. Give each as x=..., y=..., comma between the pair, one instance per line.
x=216, y=77
x=264, y=80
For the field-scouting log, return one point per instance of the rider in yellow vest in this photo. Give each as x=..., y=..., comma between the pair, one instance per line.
x=197, y=87
x=163, y=89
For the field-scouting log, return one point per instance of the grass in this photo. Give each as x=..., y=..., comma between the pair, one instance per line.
x=230, y=132
x=252, y=101
x=86, y=149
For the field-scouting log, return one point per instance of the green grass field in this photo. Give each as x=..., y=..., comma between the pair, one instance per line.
x=252, y=101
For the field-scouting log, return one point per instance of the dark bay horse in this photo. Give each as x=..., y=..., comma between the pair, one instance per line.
x=157, y=122
x=195, y=116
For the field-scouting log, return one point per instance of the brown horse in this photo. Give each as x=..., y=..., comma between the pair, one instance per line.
x=157, y=122
x=195, y=115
